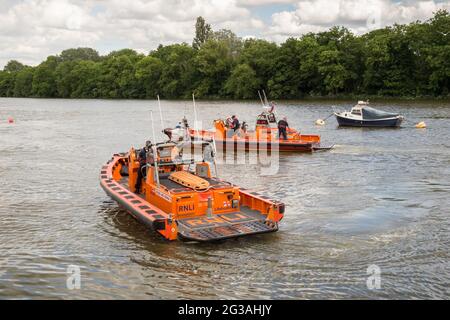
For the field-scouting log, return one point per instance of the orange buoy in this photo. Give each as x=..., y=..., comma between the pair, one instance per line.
x=320, y=122
x=421, y=125
x=10, y=120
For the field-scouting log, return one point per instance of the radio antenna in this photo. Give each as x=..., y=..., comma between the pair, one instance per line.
x=260, y=98
x=155, y=151
x=265, y=97
x=195, y=113
x=160, y=113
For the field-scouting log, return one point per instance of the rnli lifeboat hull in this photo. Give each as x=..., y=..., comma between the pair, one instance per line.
x=257, y=146
x=246, y=145
x=134, y=204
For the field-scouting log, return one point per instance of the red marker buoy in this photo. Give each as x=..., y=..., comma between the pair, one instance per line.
x=10, y=120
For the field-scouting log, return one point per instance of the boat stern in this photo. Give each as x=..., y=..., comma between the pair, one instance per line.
x=224, y=226
x=252, y=214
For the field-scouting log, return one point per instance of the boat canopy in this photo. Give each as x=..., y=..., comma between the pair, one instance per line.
x=266, y=118
x=370, y=113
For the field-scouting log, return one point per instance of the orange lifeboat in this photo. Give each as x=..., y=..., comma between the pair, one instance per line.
x=264, y=137
x=182, y=199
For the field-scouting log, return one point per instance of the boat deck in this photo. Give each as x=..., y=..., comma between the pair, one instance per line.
x=219, y=226
x=174, y=187
x=224, y=226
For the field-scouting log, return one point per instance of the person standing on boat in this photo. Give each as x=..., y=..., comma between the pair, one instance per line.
x=242, y=131
x=142, y=157
x=282, y=128
x=235, y=125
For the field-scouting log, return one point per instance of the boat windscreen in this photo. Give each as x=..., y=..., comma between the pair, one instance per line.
x=373, y=114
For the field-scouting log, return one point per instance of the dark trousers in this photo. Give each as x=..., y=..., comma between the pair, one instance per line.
x=282, y=134
x=140, y=177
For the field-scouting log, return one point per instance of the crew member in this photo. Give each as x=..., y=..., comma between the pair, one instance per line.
x=168, y=133
x=235, y=125
x=142, y=157
x=282, y=128
x=229, y=123
x=244, y=127
x=185, y=123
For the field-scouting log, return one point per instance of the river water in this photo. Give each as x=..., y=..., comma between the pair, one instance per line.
x=381, y=198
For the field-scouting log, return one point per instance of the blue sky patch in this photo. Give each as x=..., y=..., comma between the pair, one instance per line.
x=265, y=12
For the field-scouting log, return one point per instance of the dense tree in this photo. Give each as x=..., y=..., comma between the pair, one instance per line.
x=7, y=83
x=230, y=39
x=260, y=55
x=203, y=32
x=178, y=70
x=333, y=72
x=309, y=78
x=44, y=81
x=85, y=76
x=401, y=60
x=79, y=54
x=377, y=59
x=214, y=63
x=242, y=83
x=399, y=78
x=13, y=66
x=23, y=82
x=148, y=72
x=286, y=79
x=437, y=53
x=64, y=80
x=117, y=77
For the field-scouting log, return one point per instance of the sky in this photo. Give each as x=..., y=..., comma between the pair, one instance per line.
x=31, y=30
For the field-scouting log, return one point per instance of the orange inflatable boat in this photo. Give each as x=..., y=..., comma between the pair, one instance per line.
x=181, y=199
x=264, y=137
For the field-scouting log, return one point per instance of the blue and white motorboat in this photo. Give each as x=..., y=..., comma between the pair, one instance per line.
x=361, y=115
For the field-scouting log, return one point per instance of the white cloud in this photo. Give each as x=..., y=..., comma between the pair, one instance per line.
x=30, y=30
x=358, y=15
x=254, y=3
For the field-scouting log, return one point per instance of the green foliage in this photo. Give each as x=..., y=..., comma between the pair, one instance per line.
x=214, y=63
x=286, y=79
x=233, y=42
x=178, y=70
x=437, y=53
x=79, y=54
x=7, y=83
x=117, y=76
x=23, y=82
x=260, y=55
x=148, y=72
x=203, y=32
x=85, y=82
x=64, y=80
x=44, y=81
x=402, y=60
x=13, y=66
x=242, y=83
x=333, y=72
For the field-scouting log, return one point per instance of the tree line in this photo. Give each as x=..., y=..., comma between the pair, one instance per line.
x=411, y=60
